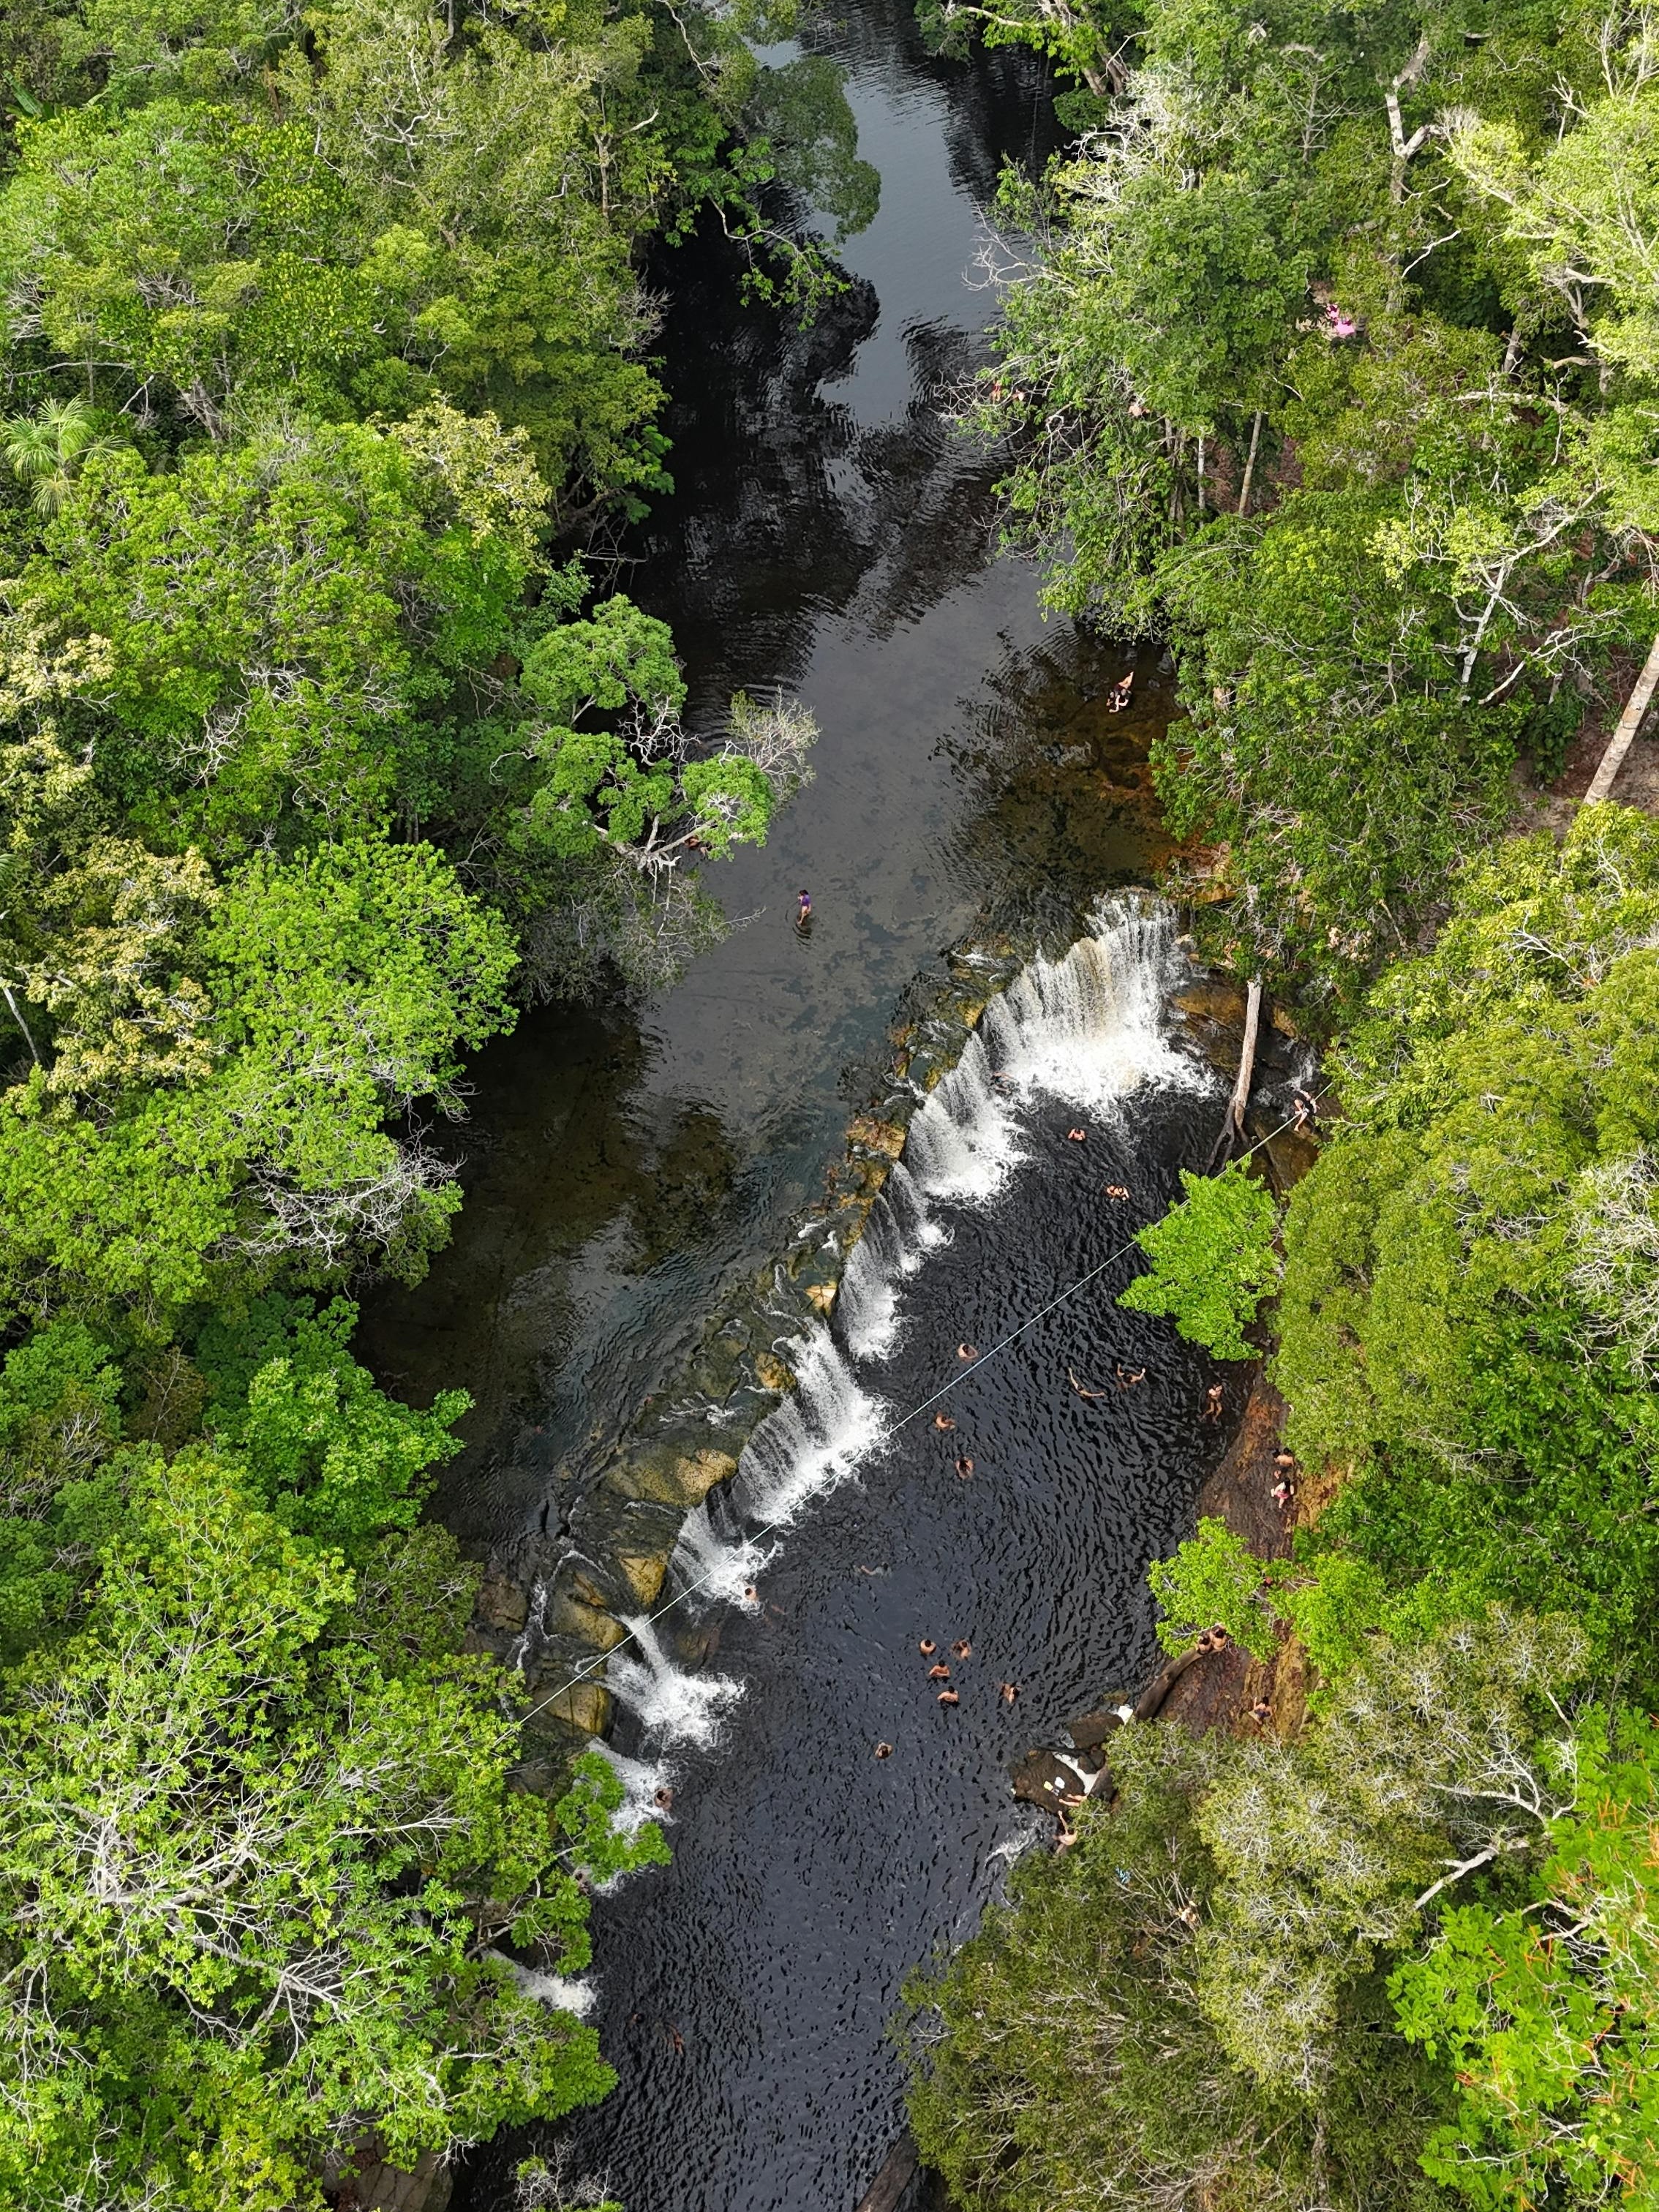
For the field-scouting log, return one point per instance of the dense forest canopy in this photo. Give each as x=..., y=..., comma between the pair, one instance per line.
x=326, y=349
x=1331, y=358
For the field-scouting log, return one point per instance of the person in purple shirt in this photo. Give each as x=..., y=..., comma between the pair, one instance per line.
x=805, y=913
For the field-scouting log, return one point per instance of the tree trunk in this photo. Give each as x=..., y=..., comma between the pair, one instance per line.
x=1249, y=465
x=1624, y=735
x=1232, y=1129
x=1241, y=1096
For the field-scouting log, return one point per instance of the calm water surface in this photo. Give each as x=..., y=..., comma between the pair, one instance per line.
x=830, y=533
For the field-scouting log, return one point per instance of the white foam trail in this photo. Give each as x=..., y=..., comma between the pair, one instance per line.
x=1088, y=1028
x=709, y=1566
x=641, y=1778
x=672, y=1705
x=898, y=1235
x=555, y=1990
x=815, y=1439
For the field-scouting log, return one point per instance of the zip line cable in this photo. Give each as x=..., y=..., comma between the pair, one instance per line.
x=772, y=1528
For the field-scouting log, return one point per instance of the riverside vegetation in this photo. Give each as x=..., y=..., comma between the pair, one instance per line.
x=325, y=350
x=1333, y=358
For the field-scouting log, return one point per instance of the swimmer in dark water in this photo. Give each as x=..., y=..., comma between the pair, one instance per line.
x=1117, y=694
x=805, y=914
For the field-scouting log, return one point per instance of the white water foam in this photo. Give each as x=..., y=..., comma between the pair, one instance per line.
x=672, y=1707
x=1087, y=1028
x=642, y=1779
x=554, y=1989
x=711, y=1567
x=815, y=1439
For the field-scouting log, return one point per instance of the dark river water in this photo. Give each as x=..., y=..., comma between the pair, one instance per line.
x=830, y=533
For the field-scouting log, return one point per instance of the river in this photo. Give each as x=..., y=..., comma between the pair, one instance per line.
x=830, y=533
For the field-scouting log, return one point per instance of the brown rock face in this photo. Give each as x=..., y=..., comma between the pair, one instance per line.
x=570, y=1615
x=646, y=1573
x=584, y=1706
x=503, y=1604
x=672, y=1477
x=879, y=1136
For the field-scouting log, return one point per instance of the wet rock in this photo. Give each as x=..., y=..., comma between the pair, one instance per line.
x=1289, y=1154
x=645, y=1573
x=884, y=1137
x=672, y=1477
x=1043, y=1778
x=898, y=2172
x=502, y=1604
x=773, y=1374
x=585, y=1623
x=1212, y=999
x=425, y=2187
x=1089, y=1730
x=821, y=1295
x=582, y=1708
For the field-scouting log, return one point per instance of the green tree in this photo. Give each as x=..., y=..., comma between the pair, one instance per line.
x=1547, y=2012
x=259, y=1873
x=1213, y=1577
x=1213, y=1261
x=1062, y=2059
x=1459, y=1316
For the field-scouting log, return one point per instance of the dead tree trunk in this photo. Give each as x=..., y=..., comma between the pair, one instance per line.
x=1232, y=1129
x=1249, y=465
x=1624, y=735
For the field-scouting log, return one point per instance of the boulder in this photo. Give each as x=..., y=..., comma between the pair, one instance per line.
x=1089, y=1730
x=503, y=1604
x=583, y=1707
x=885, y=1137
x=671, y=1477
x=645, y=1573
x=1043, y=1778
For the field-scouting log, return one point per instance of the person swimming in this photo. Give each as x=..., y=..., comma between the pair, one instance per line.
x=805, y=913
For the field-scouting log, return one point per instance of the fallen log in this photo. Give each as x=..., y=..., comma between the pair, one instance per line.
x=890, y=2184
x=1232, y=1129
x=1624, y=735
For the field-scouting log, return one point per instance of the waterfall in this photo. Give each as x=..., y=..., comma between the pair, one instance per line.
x=641, y=1778
x=671, y=1705
x=1087, y=1028
x=898, y=1236
x=814, y=1440
x=713, y=1563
